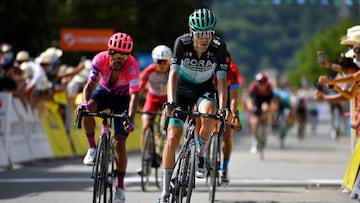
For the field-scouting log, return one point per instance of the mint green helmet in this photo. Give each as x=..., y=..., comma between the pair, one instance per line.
x=202, y=20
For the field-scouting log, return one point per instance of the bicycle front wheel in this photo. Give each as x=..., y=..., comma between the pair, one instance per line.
x=214, y=164
x=187, y=173
x=100, y=173
x=146, y=157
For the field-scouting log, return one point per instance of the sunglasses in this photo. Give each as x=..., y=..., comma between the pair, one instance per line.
x=118, y=56
x=204, y=34
x=162, y=61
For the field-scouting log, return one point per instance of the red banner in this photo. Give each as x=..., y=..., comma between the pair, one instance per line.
x=84, y=39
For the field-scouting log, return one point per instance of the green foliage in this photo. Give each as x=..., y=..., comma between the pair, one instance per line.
x=269, y=36
x=329, y=42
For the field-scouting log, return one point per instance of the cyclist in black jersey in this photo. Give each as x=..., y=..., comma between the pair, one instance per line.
x=197, y=55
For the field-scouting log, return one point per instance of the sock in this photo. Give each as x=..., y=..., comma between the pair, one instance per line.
x=91, y=140
x=225, y=165
x=120, y=180
x=166, y=182
x=197, y=144
x=203, y=146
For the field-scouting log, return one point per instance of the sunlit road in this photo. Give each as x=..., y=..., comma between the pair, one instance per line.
x=307, y=171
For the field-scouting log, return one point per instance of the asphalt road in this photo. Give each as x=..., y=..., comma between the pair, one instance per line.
x=305, y=171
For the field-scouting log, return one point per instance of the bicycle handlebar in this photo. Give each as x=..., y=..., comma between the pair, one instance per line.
x=100, y=114
x=195, y=114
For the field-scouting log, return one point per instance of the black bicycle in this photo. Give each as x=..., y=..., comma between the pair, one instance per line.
x=153, y=145
x=183, y=177
x=103, y=171
x=214, y=157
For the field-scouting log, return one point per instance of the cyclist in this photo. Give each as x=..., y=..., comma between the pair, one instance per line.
x=233, y=85
x=259, y=102
x=117, y=90
x=154, y=78
x=197, y=55
x=284, y=111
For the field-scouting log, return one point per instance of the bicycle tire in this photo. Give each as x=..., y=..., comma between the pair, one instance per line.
x=145, y=161
x=99, y=174
x=214, y=166
x=262, y=140
x=158, y=158
x=187, y=173
x=111, y=172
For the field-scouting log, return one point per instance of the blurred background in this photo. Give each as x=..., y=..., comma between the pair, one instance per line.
x=278, y=35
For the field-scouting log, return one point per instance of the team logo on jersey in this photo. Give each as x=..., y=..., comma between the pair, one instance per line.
x=195, y=62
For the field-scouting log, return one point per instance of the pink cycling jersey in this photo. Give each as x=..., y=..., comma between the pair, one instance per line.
x=128, y=81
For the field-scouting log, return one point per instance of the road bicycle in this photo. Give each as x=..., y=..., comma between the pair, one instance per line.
x=283, y=125
x=183, y=177
x=103, y=171
x=153, y=145
x=214, y=156
x=261, y=138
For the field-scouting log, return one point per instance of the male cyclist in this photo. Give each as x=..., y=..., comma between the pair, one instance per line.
x=284, y=109
x=233, y=85
x=154, y=78
x=117, y=90
x=259, y=102
x=197, y=55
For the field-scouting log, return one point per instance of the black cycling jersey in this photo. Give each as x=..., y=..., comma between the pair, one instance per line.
x=193, y=69
x=196, y=74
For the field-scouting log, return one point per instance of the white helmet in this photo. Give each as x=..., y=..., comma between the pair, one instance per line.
x=161, y=52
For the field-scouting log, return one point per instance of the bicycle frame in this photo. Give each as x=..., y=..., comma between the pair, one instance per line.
x=152, y=147
x=183, y=178
x=214, y=156
x=103, y=171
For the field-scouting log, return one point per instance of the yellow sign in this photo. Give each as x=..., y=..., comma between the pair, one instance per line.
x=56, y=132
x=352, y=169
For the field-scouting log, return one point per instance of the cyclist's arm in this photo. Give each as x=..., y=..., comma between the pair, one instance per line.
x=171, y=86
x=222, y=89
x=87, y=91
x=233, y=95
x=134, y=98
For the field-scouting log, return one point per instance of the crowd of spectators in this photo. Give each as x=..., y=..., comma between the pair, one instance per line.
x=35, y=80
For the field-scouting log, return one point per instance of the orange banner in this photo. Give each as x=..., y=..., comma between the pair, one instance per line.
x=84, y=39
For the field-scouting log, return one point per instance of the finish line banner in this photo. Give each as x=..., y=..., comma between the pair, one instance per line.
x=84, y=39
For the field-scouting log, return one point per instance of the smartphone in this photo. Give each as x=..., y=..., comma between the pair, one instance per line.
x=321, y=57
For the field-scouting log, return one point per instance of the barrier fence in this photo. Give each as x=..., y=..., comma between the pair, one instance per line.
x=25, y=136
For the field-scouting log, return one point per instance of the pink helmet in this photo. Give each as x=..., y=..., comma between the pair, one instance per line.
x=121, y=42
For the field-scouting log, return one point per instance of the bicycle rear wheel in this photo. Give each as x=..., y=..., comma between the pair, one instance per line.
x=262, y=140
x=187, y=173
x=214, y=164
x=146, y=157
x=100, y=174
x=159, y=147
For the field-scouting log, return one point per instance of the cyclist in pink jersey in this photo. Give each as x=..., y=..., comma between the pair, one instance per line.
x=154, y=78
x=118, y=74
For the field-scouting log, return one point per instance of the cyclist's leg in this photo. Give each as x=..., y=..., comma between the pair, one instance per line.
x=96, y=103
x=227, y=146
x=119, y=104
x=266, y=109
x=204, y=105
x=254, y=126
x=174, y=132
